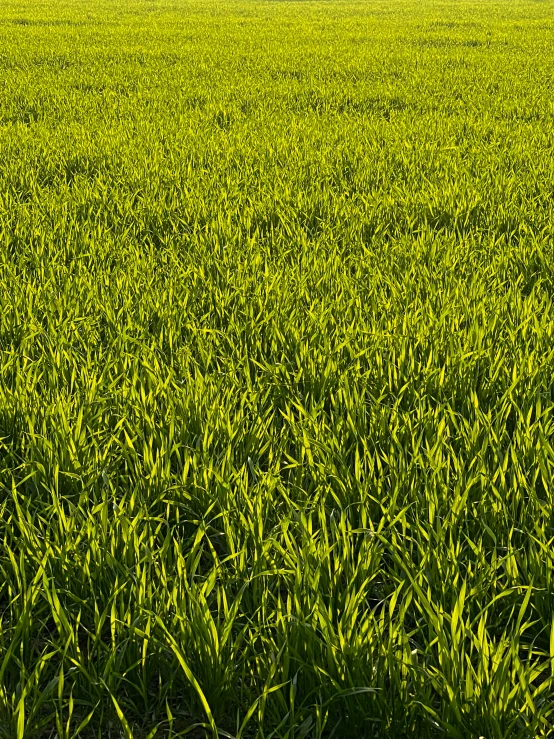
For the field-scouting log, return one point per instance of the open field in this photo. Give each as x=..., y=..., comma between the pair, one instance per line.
x=276, y=369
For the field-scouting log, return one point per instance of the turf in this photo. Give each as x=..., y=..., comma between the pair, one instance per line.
x=276, y=369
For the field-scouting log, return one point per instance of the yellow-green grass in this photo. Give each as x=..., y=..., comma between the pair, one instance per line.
x=276, y=369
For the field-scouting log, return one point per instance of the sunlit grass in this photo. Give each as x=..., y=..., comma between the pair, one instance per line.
x=276, y=360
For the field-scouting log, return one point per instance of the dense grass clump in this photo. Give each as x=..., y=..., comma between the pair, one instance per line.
x=276, y=369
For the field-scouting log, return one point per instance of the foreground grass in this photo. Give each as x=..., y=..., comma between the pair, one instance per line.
x=276, y=400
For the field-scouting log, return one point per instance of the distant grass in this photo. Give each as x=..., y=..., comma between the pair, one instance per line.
x=276, y=369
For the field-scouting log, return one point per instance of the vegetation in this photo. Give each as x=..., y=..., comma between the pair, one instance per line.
x=277, y=349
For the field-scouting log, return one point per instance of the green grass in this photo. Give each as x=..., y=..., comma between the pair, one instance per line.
x=276, y=369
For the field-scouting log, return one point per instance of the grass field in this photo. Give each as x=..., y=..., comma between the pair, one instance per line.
x=276, y=369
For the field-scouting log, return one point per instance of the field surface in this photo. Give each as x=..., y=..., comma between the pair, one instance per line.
x=276, y=369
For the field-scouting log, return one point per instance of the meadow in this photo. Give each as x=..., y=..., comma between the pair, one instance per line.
x=276, y=369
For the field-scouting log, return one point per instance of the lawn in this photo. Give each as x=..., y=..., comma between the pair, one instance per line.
x=276, y=369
